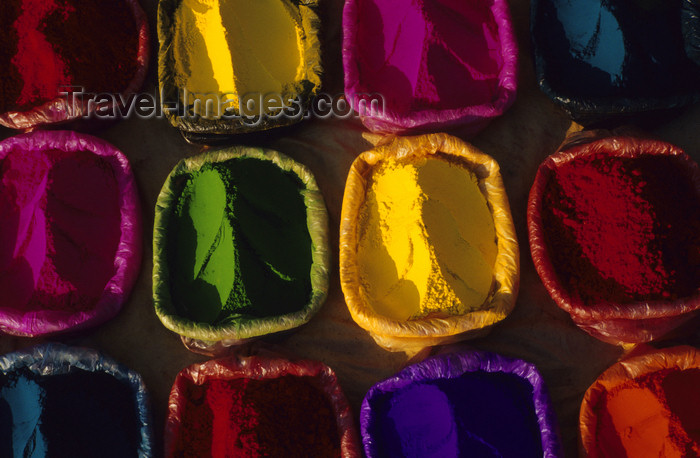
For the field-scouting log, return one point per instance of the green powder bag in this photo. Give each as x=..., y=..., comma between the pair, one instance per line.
x=240, y=247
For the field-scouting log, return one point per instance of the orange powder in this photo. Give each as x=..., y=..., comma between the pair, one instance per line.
x=651, y=416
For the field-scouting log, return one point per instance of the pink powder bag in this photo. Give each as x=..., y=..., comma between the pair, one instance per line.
x=70, y=232
x=425, y=65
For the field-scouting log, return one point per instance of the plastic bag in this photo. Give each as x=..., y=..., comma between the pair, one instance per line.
x=231, y=120
x=127, y=260
x=212, y=339
x=258, y=368
x=613, y=61
x=477, y=49
x=412, y=335
x=65, y=108
x=636, y=322
x=594, y=407
x=452, y=366
x=57, y=359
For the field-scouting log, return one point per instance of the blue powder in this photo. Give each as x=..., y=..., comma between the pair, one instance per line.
x=21, y=414
x=479, y=415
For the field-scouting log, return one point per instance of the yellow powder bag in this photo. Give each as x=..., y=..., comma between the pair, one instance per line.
x=230, y=66
x=428, y=251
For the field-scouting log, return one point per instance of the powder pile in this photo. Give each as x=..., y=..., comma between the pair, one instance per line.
x=423, y=55
x=287, y=416
x=239, y=242
x=76, y=414
x=479, y=415
x=653, y=415
x=47, y=44
x=623, y=229
x=237, y=47
x=427, y=242
x=60, y=229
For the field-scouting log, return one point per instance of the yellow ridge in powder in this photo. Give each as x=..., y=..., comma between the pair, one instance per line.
x=226, y=49
x=427, y=242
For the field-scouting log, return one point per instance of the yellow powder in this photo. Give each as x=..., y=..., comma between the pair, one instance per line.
x=226, y=49
x=427, y=242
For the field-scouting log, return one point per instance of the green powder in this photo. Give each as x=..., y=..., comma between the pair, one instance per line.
x=239, y=243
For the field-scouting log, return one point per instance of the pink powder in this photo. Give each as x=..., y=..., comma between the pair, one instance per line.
x=440, y=54
x=60, y=229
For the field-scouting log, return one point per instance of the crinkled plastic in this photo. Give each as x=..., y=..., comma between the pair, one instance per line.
x=212, y=339
x=262, y=367
x=202, y=129
x=690, y=14
x=61, y=110
x=615, y=61
x=127, y=261
x=453, y=365
x=415, y=334
x=613, y=323
x=680, y=358
x=55, y=359
x=455, y=39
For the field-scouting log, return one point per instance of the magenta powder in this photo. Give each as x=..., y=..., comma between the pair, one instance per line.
x=442, y=54
x=59, y=231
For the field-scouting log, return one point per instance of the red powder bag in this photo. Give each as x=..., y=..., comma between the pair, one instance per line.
x=259, y=406
x=645, y=406
x=48, y=46
x=70, y=232
x=614, y=226
x=423, y=65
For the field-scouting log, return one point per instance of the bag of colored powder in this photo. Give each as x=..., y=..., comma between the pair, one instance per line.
x=240, y=247
x=427, y=65
x=51, y=48
x=690, y=15
x=68, y=401
x=234, y=66
x=647, y=405
x=428, y=252
x=614, y=61
x=70, y=232
x=259, y=406
x=474, y=404
x=614, y=228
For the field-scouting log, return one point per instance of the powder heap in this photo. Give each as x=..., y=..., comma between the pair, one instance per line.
x=287, y=416
x=239, y=242
x=60, y=229
x=622, y=229
x=75, y=414
x=427, y=242
x=428, y=54
x=48, y=44
x=237, y=47
x=653, y=415
x=479, y=415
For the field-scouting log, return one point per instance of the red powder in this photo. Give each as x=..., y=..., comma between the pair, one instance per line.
x=654, y=415
x=47, y=44
x=286, y=416
x=60, y=229
x=623, y=229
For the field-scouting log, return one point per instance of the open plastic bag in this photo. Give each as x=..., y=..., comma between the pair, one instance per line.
x=413, y=335
x=261, y=368
x=27, y=214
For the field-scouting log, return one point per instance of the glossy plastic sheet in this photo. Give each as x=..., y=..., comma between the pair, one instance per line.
x=453, y=365
x=60, y=110
x=56, y=359
x=472, y=117
x=262, y=367
x=211, y=339
x=127, y=261
x=615, y=61
x=681, y=358
x=613, y=323
x=413, y=335
x=201, y=128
